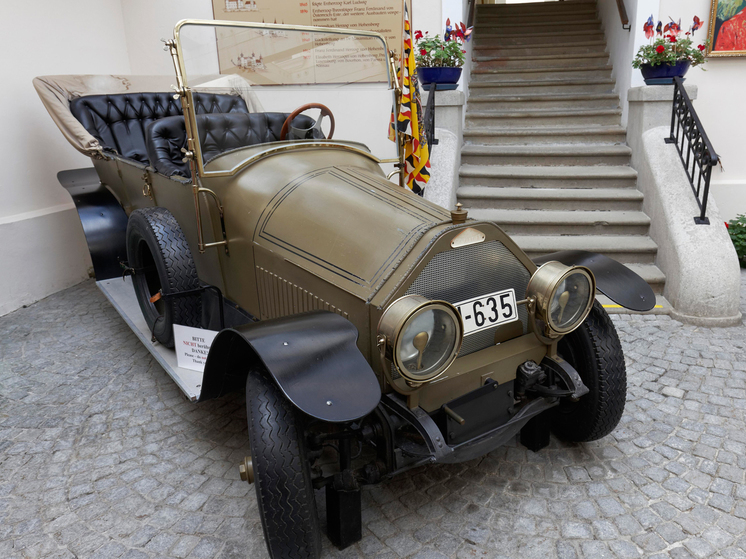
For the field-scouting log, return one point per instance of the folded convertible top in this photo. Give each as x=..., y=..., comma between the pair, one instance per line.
x=57, y=91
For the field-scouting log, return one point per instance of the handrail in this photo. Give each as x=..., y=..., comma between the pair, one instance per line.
x=471, y=9
x=686, y=128
x=623, y=15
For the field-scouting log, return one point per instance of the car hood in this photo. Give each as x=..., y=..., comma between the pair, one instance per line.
x=347, y=224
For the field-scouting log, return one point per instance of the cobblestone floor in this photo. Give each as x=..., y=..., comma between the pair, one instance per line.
x=101, y=457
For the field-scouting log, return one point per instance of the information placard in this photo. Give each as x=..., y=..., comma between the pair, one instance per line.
x=317, y=58
x=192, y=346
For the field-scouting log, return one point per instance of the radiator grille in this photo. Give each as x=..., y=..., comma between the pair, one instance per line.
x=462, y=273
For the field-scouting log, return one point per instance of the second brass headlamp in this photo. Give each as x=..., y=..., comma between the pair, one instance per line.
x=560, y=298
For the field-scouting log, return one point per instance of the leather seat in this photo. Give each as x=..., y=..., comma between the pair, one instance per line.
x=218, y=133
x=119, y=121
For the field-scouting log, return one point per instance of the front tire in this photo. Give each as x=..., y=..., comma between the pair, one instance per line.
x=282, y=476
x=596, y=353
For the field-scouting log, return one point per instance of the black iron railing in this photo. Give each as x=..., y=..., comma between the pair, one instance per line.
x=694, y=147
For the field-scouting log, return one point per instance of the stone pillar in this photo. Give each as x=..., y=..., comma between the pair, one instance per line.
x=445, y=157
x=650, y=106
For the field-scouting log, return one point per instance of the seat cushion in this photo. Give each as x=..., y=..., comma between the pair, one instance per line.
x=218, y=133
x=119, y=121
x=223, y=132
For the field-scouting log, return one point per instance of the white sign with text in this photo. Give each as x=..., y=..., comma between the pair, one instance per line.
x=192, y=346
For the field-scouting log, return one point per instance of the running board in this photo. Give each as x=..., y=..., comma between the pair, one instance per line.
x=121, y=294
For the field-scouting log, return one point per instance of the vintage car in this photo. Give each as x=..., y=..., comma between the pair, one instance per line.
x=372, y=331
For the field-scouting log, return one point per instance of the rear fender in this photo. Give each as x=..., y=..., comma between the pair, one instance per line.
x=103, y=219
x=615, y=280
x=312, y=357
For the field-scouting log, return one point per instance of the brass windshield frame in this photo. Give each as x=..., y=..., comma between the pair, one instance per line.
x=194, y=153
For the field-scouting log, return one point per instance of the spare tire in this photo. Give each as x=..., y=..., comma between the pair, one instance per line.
x=158, y=252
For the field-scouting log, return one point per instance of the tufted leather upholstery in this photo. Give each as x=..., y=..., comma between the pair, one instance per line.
x=218, y=133
x=119, y=121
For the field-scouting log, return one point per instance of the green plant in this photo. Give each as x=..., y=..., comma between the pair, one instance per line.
x=737, y=231
x=670, y=46
x=437, y=52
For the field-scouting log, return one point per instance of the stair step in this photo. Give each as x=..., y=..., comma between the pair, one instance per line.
x=544, y=101
x=599, y=176
x=538, y=73
x=508, y=29
x=616, y=199
x=556, y=61
x=542, y=118
x=555, y=135
x=533, y=7
x=633, y=249
x=488, y=86
x=565, y=222
x=588, y=47
x=545, y=155
x=549, y=39
x=569, y=17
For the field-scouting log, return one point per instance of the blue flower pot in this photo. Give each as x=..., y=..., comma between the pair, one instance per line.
x=445, y=76
x=663, y=74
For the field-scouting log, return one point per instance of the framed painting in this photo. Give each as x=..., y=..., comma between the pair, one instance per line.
x=727, y=33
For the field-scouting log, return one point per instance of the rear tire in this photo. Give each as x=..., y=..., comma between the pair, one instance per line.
x=282, y=477
x=596, y=353
x=158, y=251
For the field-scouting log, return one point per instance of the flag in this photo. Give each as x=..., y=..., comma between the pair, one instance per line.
x=410, y=122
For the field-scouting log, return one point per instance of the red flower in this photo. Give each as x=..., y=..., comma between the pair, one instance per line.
x=423, y=52
x=659, y=49
x=701, y=47
x=417, y=35
x=672, y=39
x=726, y=223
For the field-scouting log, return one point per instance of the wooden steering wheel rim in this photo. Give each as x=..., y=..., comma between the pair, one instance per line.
x=324, y=112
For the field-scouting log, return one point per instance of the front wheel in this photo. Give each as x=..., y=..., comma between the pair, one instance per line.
x=282, y=476
x=596, y=353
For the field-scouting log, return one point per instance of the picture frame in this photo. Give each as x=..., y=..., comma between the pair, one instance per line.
x=726, y=35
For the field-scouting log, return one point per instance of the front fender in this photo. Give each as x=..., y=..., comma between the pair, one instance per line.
x=615, y=280
x=312, y=357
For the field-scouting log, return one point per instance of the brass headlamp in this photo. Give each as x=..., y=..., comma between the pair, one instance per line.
x=560, y=298
x=420, y=337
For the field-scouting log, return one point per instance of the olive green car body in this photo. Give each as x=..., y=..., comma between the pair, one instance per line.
x=316, y=225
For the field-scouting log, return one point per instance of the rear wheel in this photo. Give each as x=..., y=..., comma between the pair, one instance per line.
x=596, y=353
x=163, y=263
x=282, y=476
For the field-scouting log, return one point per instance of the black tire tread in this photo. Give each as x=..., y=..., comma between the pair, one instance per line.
x=181, y=273
x=281, y=473
x=598, y=413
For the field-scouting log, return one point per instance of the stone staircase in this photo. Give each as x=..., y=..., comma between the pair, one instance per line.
x=544, y=153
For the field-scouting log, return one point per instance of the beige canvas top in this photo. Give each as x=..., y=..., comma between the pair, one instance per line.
x=56, y=92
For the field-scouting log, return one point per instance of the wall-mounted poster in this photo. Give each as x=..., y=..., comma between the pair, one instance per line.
x=727, y=35
x=382, y=16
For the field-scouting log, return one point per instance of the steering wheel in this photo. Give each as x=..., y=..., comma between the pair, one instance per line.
x=301, y=133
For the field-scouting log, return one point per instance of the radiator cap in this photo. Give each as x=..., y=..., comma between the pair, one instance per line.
x=459, y=214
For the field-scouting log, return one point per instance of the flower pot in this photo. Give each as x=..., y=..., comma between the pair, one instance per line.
x=443, y=77
x=663, y=74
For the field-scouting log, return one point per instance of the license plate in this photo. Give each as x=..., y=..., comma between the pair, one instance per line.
x=487, y=311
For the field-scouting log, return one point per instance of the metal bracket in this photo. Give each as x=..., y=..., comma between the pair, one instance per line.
x=568, y=374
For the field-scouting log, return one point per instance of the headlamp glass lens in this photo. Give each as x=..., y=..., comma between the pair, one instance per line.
x=427, y=341
x=569, y=301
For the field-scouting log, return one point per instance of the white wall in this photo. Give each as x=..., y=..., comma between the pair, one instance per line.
x=623, y=43
x=42, y=247
x=720, y=108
